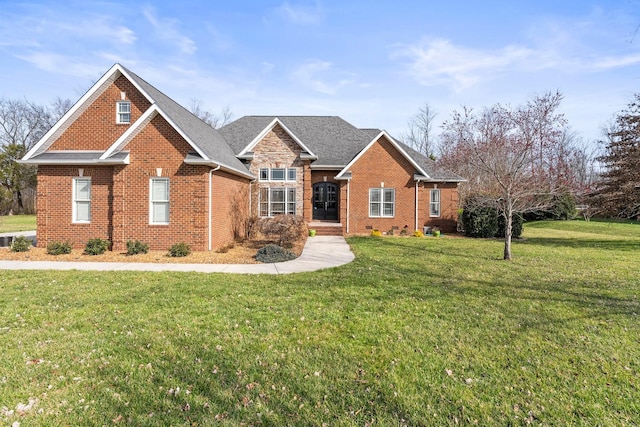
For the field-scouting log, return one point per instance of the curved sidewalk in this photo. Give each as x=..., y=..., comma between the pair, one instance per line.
x=319, y=252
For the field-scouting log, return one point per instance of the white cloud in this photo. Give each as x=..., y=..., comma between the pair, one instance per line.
x=440, y=62
x=167, y=31
x=57, y=63
x=299, y=14
x=311, y=74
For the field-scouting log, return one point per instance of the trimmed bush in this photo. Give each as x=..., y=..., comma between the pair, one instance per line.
x=96, y=247
x=485, y=221
x=58, y=248
x=274, y=253
x=179, y=250
x=285, y=229
x=136, y=247
x=418, y=233
x=480, y=221
x=20, y=244
x=376, y=233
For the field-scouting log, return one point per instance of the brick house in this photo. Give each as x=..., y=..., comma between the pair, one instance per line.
x=127, y=162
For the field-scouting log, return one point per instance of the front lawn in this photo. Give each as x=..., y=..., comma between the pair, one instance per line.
x=12, y=223
x=415, y=331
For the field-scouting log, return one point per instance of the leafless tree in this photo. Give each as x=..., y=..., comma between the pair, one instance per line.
x=214, y=120
x=419, y=135
x=514, y=157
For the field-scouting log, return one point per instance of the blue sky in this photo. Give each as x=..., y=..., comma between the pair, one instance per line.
x=375, y=63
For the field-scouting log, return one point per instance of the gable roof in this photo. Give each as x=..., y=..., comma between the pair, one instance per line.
x=332, y=140
x=373, y=141
x=329, y=141
x=210, y=147
x=433, y=172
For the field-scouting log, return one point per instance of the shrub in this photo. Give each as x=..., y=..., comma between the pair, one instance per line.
x=274, y=253
x=479, y=221
x=376, y=233
x=561, y=207
x=486, y=221
x=96, y=247
x=179, y=250
x=136, y=247
x=404, y=231
x=564, y=207
x=58, y=248
x=418, y=233
x=516, y=226
x=285, y=229
x=20, y=244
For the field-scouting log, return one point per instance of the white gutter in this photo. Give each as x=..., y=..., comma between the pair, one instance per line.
x=211, y=171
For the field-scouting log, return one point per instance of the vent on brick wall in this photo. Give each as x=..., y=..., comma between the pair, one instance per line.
x=369, y=227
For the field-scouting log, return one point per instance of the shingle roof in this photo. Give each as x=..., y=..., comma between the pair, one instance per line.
x=333, y=140
x=204, y=136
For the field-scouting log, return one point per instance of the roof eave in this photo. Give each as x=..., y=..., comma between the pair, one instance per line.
x=213, y=164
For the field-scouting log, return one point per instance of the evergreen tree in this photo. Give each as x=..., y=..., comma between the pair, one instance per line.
x=618, y=193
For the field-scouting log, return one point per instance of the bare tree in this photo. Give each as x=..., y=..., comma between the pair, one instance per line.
x=214, y=120
x=419, y=136
x=515, y=157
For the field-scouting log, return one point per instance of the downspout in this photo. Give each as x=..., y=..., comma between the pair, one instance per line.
x=348, y=195
x=416, y=227
x=211, y=171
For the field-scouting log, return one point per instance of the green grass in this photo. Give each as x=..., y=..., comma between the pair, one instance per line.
x=414, y=331
x=11, y=223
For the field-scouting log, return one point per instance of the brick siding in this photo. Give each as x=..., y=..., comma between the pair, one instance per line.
x=120, y=194
x=96, y=127
x=382, y=164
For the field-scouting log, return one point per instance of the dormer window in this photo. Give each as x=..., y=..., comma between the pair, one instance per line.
x=123, y=112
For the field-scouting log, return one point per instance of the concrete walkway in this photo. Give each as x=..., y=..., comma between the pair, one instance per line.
x=319, y=252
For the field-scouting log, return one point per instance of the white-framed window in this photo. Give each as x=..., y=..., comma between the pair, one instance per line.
x=434, y=202
x=82, y=200
x=123, y=112
x=277, y=200
x=382, y=202
x=277, y=174
x=159, y=201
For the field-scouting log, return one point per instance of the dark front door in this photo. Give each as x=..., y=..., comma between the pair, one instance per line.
x=325, y=201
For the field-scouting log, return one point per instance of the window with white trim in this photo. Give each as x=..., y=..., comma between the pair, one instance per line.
x=434, y=202
x=82, y=200
x=277, y=200
x=382, y=202
x=123, y=112
x=159, y=201
x=277, y=174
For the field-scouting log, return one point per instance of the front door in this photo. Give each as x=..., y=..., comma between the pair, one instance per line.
x=325, y=201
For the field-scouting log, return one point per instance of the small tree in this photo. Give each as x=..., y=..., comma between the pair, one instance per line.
x=286, y=229
x=214, y=120
x=514, y=157
x=419, y=136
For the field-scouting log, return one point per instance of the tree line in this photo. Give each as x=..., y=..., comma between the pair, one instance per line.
x=527, y=160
